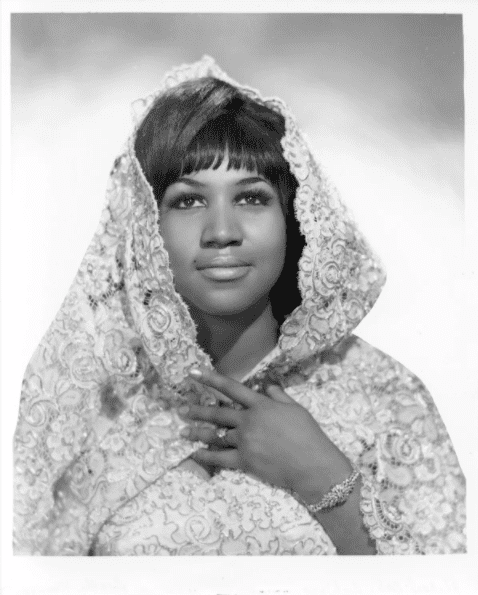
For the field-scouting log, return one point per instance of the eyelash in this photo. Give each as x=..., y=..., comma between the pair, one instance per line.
x=263, y=198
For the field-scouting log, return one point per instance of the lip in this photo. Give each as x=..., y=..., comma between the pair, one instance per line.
x=225, y=273
x=221, y=262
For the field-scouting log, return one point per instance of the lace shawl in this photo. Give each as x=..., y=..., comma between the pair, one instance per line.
x=98, y=421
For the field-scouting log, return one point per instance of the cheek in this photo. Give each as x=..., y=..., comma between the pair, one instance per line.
x=179, y=251
x=272, y=240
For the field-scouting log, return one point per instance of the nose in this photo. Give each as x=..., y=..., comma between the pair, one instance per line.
x=221, y=228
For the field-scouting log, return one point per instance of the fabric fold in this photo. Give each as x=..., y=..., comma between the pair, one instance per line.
x=98, y=428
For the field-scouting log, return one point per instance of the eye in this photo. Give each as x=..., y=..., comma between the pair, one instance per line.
x=255, y=199
x=187, y=202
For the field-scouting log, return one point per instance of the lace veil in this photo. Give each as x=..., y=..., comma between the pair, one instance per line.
x=98, y=415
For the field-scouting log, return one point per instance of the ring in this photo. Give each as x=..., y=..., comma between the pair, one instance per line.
x=221, y=434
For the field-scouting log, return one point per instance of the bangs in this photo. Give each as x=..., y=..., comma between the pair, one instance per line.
x=201, y=123
x=244, y=146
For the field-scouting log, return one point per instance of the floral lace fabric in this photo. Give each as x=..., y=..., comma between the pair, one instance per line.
x=97, y=443
x=378, y=414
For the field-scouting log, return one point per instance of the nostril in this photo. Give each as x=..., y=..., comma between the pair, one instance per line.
x=218, y=243
x=222, y=229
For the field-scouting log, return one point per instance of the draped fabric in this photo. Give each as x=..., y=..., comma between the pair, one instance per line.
x=97, y=444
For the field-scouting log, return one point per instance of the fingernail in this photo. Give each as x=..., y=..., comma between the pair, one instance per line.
x=195, y=373
x=185, y=432
x=183, y=410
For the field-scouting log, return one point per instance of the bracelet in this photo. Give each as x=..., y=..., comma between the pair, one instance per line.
x=335, y=496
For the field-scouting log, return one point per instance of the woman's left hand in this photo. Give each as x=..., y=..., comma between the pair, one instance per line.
x=272, y=437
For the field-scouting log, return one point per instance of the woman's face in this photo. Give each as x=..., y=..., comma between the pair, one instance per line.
x=225, y=234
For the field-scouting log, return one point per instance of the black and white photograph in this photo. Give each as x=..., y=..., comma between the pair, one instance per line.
x=236, y=294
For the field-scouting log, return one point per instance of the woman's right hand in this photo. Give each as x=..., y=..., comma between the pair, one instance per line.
x=271, y=437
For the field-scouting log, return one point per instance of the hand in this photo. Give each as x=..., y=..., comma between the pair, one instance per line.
x=272, y=437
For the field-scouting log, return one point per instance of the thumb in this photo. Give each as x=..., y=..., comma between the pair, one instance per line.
x=276, y=393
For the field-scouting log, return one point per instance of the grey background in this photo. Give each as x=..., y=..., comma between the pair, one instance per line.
x=408, y=69
x=380, y=97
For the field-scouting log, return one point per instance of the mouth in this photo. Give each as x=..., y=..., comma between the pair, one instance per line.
x=221, y=273
x=223, y=268
x=220, y=261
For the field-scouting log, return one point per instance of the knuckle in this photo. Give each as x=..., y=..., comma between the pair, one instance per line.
x=203, y=413
x=197, y=433
x=209, y=435
x=192, y=433
x=192, y=413
x=200, y=433
x=206, y=413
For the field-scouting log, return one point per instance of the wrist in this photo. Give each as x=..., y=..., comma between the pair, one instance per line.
x=319, y=480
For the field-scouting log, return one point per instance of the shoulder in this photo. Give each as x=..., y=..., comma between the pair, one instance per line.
x=373, y=367
x=354, y=352
x=397, y=397
x=382, y=417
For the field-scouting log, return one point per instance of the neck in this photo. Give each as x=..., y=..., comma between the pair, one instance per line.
x=237, y=343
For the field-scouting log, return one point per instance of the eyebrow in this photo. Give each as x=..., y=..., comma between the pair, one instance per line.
x=242, y=182
x=251, y=180
x=189, y=181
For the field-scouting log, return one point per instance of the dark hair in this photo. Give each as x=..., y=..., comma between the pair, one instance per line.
x=194, y=126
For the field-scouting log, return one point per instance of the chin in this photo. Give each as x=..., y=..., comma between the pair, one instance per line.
x=228, y=299
x=227, y=305
x=227, y=309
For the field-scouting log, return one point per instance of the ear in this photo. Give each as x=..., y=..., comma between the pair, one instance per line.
x=276, y=393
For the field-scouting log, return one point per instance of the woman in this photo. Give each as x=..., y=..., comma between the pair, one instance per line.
x=303, y=439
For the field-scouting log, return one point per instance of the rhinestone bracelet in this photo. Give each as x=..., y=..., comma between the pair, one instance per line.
x=335, y=496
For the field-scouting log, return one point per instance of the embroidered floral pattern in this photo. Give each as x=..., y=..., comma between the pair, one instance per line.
x=405, y=511
x=98, y=432
x=230, y=515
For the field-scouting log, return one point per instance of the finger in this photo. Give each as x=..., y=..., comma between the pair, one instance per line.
x=221, y=398
x=229, y=387
x=213, y=436
x=278, y=394
x=227, y=458
x=221, y=416
x=213, y=393
x=228, y=439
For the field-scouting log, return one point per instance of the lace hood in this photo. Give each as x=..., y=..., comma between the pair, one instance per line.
x=339, y=276
x=100, y=394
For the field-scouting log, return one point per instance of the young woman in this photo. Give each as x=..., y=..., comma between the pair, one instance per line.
x=200, y=390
